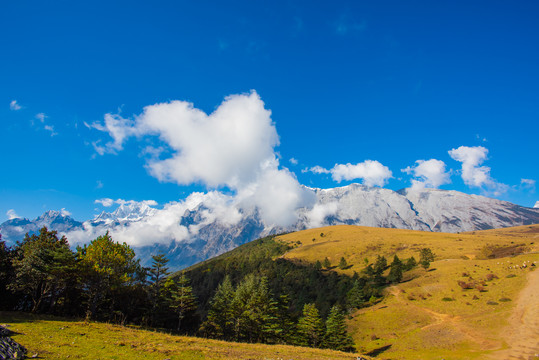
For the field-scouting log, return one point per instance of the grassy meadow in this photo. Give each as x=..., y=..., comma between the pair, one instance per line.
x=429, y=315
x=50, y=337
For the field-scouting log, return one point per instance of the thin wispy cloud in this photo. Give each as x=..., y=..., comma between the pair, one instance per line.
x=11, y=214
x=14, y=106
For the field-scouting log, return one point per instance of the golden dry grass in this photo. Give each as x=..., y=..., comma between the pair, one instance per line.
x=428, y=315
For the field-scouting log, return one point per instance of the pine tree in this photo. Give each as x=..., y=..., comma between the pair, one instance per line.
x=395, y=271
x=219, y=322
x=182, y=299
x=380, y=265
x=336, y=336
x=410, y=263
x=310, y=327
x=158, y=273
x=318, y=265
x=343, y=264
x=326, y=263
x=426, y=256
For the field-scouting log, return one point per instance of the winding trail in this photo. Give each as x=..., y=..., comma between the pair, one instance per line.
x=522, y=333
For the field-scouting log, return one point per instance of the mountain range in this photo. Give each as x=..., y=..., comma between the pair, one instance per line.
x=200, y=233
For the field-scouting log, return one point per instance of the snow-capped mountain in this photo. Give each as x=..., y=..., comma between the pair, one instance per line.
x=15, y=229
x=189, y=233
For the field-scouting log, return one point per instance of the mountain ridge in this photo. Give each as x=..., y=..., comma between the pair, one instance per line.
x=188, y=234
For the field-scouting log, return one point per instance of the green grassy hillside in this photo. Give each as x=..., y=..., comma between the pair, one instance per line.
x=54, y=338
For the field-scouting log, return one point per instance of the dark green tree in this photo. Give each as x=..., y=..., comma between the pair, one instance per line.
x=219, y=322
x=7, y=273
x=343, y=264
x=336, y=336
x=310, y=327
x=44, y=265
x=395, y=270
x=318, y=265
x=410, y=263
x=326, y=263
x=182, y=300
x=157, y=273
x=380, y=265
x=426, y=256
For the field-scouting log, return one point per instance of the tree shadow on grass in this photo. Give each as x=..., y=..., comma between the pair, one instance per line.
x=376, y=352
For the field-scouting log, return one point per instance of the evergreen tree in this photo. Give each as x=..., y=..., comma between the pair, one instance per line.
x=310, y=327
x=43, y=265
x=395, y=271
x=318, y=265
x=326, y=263
x=7, y=274
x=343, y=264
x=426, y=256
x=380, y=265
x=410, y=263
x=158, y=273
x=182, y=300
x=219, y=322
x=355, y=298
x=336, y=336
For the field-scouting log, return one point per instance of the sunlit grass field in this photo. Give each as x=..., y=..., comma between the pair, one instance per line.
x=54, y=338
x=429, y=315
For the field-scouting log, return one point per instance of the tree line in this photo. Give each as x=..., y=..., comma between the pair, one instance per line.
x=249, y=294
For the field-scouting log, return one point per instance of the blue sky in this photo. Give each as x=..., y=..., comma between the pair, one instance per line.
x=392, y=82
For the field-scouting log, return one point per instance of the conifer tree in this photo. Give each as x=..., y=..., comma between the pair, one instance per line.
x=336, y=336
x=343, y=264
x=310, y=327
x=426, y=256
x=410, y=263
x=219, y=322
x=158, y=273
x=326, y=263
x=395, y=271
x=182, y=299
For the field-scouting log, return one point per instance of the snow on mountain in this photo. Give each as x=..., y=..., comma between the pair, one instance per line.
x=192, y=231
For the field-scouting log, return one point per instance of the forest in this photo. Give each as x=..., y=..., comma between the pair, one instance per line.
x=249, y=294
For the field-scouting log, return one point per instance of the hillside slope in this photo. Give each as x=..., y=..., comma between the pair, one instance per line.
x=429, y=315
x=55, y=338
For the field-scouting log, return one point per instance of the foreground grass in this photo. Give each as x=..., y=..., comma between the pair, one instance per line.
x=54, y=338
x=428, y=315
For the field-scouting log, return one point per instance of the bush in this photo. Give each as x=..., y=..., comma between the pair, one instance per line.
x=492, y=302
x=448, y=299
x=511, y=276
x=491, y=277
x=465, y=285
x=504, y=299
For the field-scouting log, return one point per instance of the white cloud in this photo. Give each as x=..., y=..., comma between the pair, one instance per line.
x=11, y=214
x=372, y=172
x=472, y=173
x=99, y=184
x=51, y=129
x=232, y=147
x=429, y=173
x=528, y=184
x=293, y=161
x=317, y=215
x=64, y=212
x=106, y=202
x=318, y=170
x=14, y=106
x=41, y=117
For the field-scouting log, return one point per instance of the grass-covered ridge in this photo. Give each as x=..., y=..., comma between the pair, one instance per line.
x=56, y=338
x=433, y=314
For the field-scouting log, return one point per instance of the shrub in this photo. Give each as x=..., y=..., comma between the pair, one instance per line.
x=511, y=276
x=481, y=288
x=465, y=285
x=504, y=299
x=491, y=277
x=492, y=302
x=448, y=299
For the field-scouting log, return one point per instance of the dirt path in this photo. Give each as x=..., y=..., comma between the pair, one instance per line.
x=522, y=334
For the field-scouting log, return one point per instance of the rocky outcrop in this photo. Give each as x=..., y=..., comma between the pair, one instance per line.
x=9, y=348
